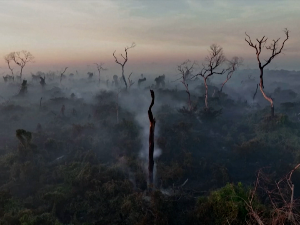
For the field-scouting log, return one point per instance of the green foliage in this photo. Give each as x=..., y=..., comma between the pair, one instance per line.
x=224, y=206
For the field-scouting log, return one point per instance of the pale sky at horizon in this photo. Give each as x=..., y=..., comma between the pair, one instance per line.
x=80, y=33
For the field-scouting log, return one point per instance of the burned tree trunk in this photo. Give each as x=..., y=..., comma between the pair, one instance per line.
x=151, y=142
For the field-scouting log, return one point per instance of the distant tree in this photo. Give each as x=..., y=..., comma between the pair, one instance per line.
x=124, y=62
x=160, y=81
x=8, y=58
x=62, y=74
x=23, y=89
x=100, y=68
x=211, y=66
x=90, y=75
x=233, y=65
x=186, y=69
x=275, y=50
x=20, y=58
x=8, y=78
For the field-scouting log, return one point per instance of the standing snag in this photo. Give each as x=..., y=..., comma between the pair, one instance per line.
x=8, y=58
x=186, y=69
x=21, y=59
x=151, y=141
x=275, y=50
x=124, y=62
x=233, y=65
x=62, y=74
x=100, y=68
x=213, y=62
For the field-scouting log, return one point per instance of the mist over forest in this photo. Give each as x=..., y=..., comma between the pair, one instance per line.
x=159, y=131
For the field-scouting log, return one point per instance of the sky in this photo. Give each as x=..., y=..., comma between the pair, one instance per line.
x=80, y=33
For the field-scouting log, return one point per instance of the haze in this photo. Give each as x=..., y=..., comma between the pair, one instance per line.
x=79, y=33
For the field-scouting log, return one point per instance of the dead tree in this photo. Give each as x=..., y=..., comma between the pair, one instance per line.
x=62, y=74
x=213, y=62
x=124, y=62
x=21, y=59
x=233, y=65
x=100, y=68
x=281, y=196
x=275, y=50
x=186, y=69
x=151, y=141
x=8, y=58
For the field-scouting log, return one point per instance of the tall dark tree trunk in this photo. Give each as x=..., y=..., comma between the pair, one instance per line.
x=151, y=142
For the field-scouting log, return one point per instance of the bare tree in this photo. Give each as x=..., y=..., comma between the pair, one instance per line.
x=275, y=50
x=125, y=61
x=186, y=69
x=62, y=74
x=21, y=59
x=233, y=65
x=8, y=58
x=100, y=68
x=211, y=66
x=281, y=196
x=151, y=141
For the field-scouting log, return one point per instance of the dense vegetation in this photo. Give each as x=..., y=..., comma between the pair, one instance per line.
x=79, y=164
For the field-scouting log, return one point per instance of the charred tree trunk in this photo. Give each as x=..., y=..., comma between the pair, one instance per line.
x=151, y=142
